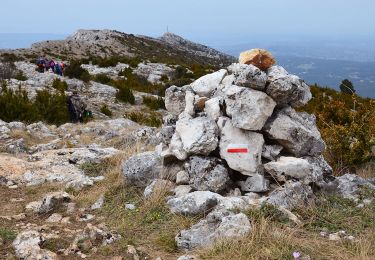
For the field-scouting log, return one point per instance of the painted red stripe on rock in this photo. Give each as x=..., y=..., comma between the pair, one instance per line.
x=237, y=150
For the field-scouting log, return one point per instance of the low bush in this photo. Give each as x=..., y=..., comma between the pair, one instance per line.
x=20, y=76
x=16, y=106
x=113, y=61
x=102, y=78
x=106, y=111
x=60, y=85
x=8, y=70
x=152, y=119
x=347, y=125
x=124, y=94
x=74, y=70
x=139, y=83
x=154, y=103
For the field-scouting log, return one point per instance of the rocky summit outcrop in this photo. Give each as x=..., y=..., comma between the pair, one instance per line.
x=236, y=141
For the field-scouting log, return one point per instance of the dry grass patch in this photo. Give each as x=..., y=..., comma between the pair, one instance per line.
x=30, y=140
x=367, y=171
x=151, y=226
x=274, y=237
x=269, y=240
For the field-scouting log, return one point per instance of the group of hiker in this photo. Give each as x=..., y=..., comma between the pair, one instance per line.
x=44, y=65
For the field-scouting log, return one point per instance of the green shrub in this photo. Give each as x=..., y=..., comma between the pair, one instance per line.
x=16, y=106
x=124, y=94
x=52, y=108
x=152, y=119
x=7, y=234
x=60, y=85
x=154, y=103
x=138, y=83
x=74, y=70
x=112, y=61
x=10, y=57
x=347, y=125
x=106, y=111
x=20, y=76
x=102, y=78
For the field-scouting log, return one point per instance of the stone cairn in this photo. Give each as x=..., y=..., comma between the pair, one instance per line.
x=233, y=140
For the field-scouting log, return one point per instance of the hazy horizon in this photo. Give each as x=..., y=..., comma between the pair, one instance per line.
x=193, y=19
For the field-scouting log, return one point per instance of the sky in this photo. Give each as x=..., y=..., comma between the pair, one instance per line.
x=202, y=20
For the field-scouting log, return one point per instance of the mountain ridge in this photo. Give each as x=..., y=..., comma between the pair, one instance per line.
x=107, y=43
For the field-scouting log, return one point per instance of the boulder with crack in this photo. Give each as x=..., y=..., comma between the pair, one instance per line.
x=287, y=89
x=289, y=167
x=175, y=99
x=218, y=225
x=296, y=132
x=247, y=163
x=248, y=76
x=291, y=195
x=141, y=169
x=194, y=203
x=198, y=135
x=248, y=108
x=207, y=173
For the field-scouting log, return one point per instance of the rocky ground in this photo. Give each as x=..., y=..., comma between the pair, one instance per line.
x=113, y=189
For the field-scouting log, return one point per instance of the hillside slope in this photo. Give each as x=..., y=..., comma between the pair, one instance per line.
x=169, y=48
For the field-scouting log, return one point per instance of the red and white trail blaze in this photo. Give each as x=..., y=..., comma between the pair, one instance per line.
x=237, y=148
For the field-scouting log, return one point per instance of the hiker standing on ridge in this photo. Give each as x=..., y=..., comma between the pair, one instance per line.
x=76, y=108
x=58, y=69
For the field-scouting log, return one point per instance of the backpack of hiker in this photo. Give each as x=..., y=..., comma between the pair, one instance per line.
x=76, y=108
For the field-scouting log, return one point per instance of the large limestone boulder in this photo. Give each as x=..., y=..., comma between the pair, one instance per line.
x=248, y=108
x=141, y=169
x=248, y=162
x=291, y=195
x=217, y=225
x=247, y=76
x=175, y=100
x=296, y=132
x=257, y=57
x=27, y=246
x=287, y=89
x=195, y=203
x=207, y=84
x=198, y=135
x=207, y=173
x=289, y=167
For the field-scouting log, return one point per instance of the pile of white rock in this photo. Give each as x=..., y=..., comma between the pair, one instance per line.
x=233, y=140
